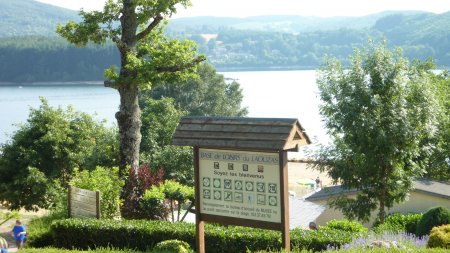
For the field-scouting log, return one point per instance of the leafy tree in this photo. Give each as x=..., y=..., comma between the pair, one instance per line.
x=439, y=161
x=163, y=107
x=177, y=163
x=159, y=121
x=49, y=146
x=147, y=58
x=209, y=95
x=379, y=114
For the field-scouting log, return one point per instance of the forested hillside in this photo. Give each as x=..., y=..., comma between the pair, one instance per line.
x=29, y=17
x=256, y=43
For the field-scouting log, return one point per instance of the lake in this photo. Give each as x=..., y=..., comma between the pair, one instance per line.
x=268, y=94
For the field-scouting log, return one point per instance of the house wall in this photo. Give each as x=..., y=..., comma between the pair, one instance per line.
x=418, y=202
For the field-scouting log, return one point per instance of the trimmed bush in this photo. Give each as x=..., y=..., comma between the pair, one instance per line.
x=440, y=237
x=39, y=232
x=397, y=222
x=433, y=217
x=172, y=246
x=346, y=225
x=144, y=235
x=55, y=250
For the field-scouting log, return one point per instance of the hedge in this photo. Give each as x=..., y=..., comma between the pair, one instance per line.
x=143, y=235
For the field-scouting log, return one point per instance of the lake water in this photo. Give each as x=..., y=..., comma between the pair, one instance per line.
x=268, y=94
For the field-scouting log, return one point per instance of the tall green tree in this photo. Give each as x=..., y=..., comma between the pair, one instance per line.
x=147, y=57
x=439, y=162
x=379, y=114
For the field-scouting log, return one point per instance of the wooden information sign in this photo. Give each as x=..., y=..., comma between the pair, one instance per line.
x=83, y=203
x=240, y=170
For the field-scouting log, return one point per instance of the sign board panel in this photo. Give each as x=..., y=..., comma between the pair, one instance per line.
x=83, y=203
x=240, y=184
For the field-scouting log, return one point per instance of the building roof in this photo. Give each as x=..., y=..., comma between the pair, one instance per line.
x=438, y=189
x=435, y=188
x=273, y=134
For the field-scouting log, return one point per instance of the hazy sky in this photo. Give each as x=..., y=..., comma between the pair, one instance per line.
x=244, y=8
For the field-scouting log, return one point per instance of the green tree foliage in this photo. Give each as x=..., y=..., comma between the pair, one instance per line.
x=209, y=95
x=6, y=216
x=379, y=114
x=105, y=180
x=177, y=163
x=163, y=107
x=159, y=121
x=49, y=146
x=147, y=56
x=439, y=161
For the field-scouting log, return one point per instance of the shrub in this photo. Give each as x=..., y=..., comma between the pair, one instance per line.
x=105, y=180
x=161, y=200
x=135, y=186
x=346, y=225
x=172, y=246
x=48, y=146
x=55, y=250
x=440, y=237
x=92, y=233
x=397, y=222
x=39, y=232
x=433, y=217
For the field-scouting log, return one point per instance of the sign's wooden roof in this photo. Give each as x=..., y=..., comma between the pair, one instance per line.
x=241, y=133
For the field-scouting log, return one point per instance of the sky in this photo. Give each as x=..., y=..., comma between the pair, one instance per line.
x=245, y=8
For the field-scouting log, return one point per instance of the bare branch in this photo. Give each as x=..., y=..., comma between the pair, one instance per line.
x=108, y=84
x=120, y=44
x=150, y=27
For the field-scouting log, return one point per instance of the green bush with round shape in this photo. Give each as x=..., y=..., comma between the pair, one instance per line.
x=440, y=237
x=172, y=246
x=434, y=217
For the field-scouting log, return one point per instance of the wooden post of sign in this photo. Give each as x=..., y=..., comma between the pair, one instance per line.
x=199, y=224
x=285, y=232
x=97, y=203
x=69, y=204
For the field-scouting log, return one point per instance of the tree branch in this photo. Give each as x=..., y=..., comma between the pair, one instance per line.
x=108, y=84
x=120, y=44
x=176, y=68
x=150, y=27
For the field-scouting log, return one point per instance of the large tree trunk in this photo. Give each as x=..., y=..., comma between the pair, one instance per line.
x=129, y=115
x=382, y=197
x=129, y=122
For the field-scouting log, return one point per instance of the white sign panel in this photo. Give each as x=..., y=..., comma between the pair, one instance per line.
x=240, y=184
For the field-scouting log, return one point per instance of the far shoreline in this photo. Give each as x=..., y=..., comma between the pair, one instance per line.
x=52, y=83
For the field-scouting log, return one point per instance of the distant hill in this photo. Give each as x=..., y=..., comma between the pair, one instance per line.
x=31, y=52
x=29, y=17
x=288, y=24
